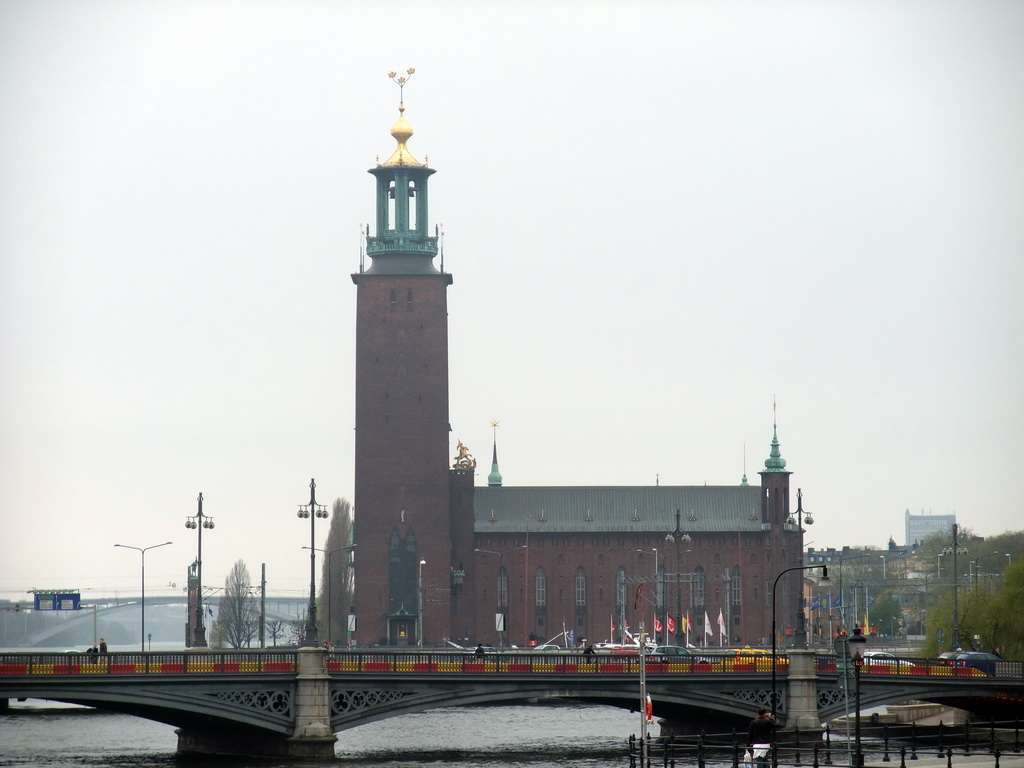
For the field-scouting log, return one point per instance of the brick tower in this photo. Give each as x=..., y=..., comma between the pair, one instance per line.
x=401, y=446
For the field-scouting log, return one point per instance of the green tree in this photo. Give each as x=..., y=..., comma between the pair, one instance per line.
x=336, y=576
x=238, y=617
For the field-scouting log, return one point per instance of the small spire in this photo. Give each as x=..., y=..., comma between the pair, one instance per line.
x=494, y=478
x=775, y=462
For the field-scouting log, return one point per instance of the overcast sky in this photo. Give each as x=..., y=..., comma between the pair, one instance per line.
x=661, y=217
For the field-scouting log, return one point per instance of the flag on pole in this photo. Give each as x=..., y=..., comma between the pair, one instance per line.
x=657, y=624
x=721, y=628
x=707, y=626
x=671, y=625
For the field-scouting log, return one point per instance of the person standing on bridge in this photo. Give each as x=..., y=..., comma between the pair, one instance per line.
x=103, y=645
x=760, y=737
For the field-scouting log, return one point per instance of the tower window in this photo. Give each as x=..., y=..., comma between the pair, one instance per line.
x=394, y=300
x=412, y=205
x=408, y=300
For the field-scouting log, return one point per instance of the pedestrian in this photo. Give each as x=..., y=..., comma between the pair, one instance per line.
x=91, y=652
x=760, y=737
x=589, y=653
x=103, y=645
x=479, y=649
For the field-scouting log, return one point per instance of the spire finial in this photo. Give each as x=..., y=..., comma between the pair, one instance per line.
x=400, y=82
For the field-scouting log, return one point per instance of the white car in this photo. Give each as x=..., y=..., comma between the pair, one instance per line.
x=884, y=659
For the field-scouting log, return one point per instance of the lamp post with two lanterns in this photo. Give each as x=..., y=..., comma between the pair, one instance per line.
x=856, y=644
x=800, y=635
x=312, y=511
x=955, y=550
x=198, y=522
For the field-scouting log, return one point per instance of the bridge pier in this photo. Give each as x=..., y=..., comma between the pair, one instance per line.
x=802, y=693
x=312, y=737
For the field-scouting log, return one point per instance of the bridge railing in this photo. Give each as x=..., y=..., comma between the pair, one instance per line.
x=527, y=662
x=216, y=662
x=885, y=667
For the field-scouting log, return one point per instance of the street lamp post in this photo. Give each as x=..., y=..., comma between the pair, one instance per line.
x=142, y=602
x=800, y=636
x=507, y=607
x=198, y=521
x=678, y=537
x=312, y=511
x=955, y=550
x=842, y=599
x=824, y=582
x=657, y=596
x=856, y=643
x=419, y=599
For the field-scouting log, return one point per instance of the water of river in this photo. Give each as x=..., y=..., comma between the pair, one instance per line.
x=41, y=734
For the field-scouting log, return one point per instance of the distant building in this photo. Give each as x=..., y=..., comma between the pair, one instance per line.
x=920, y=527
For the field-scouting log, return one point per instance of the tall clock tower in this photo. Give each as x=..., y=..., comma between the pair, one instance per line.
x=401, y=419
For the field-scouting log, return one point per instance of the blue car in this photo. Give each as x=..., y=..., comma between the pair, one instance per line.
x=985, y=662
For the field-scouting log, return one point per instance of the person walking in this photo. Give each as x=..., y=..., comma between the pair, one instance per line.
x=103, y=645
x=760, y=737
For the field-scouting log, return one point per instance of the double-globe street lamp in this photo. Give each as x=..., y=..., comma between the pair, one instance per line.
x=312, y=510
x=142, y=603
x=955, y=550
x=678, y=537
x=198, y=522
x=825, y=581
x=504, y=601
x=800, y=636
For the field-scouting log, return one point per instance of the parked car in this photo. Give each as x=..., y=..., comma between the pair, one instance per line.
x=985, y=662
x=748, y=651
x=549, y=648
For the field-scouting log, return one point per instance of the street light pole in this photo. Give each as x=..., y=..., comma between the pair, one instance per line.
x=824, y=582
x=198, y=521
x=312, y=511
x=856, y=644
x=419, y=598
x=507, y=612
x=800, y=636
x=328, y=554
x=955, y=550
x=142, y=551
x=678, y=537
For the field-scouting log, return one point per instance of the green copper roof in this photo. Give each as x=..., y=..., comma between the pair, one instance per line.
x=775, y=462
x=494, y=478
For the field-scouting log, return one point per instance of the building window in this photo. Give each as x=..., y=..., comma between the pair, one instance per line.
x=502, y=587
x=394, y=300
x=541, y=588
x=698, y=587
x=581, y=590
x=408, y=300
x=735, y=591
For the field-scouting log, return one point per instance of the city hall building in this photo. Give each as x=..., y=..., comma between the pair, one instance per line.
x=443, y=556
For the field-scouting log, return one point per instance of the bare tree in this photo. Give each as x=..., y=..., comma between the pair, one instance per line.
x=276, y=629
x=336, y=575
x=238, y=618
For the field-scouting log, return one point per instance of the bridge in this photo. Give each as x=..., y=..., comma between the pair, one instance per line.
x=292, y=703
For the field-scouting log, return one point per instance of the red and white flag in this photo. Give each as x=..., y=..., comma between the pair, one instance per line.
x=657, y=624
x=671, y=625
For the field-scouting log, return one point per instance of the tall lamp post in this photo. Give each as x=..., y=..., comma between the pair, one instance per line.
x=312, y=511
x=507, y=612
x=678, y=537
x=142, y=551
x=800, y=637
x=657, y=595
x=197, y=522
x=955, y=550
x=419, y=600
x=824, y=582
x=842, y=600
x=856, y=643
